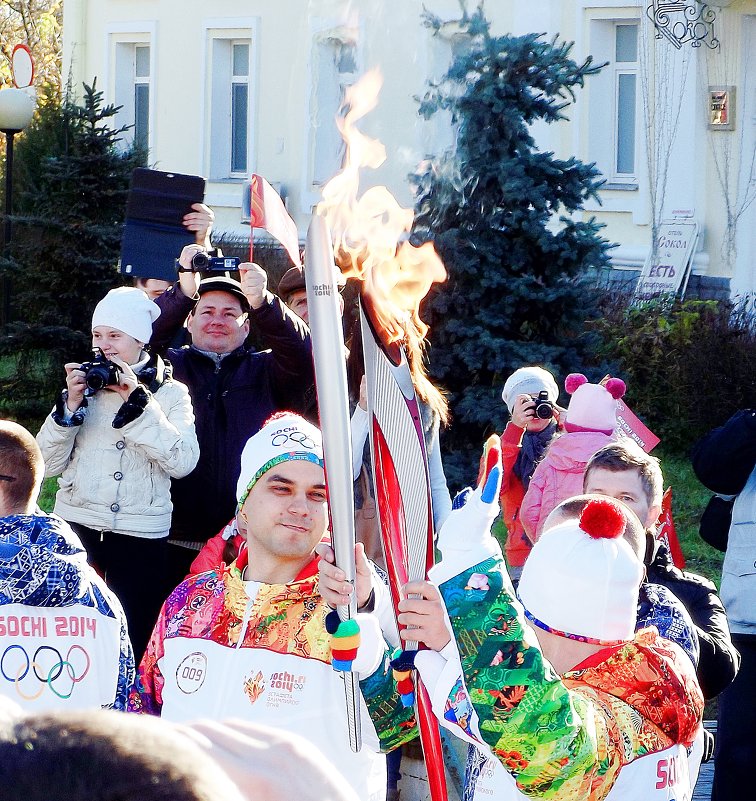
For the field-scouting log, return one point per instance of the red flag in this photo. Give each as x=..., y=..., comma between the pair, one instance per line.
x=266, y=210
x=666, y=532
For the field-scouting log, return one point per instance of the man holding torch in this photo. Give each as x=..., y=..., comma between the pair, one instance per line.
x=250, y=640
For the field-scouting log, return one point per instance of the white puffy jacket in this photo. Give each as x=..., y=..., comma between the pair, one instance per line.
x=119, y=479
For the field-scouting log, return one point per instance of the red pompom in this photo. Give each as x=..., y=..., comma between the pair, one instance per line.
x=602, y=519
x=573, y=381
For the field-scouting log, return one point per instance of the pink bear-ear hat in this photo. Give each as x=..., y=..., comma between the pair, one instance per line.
x=615, y=387
x=573, y=381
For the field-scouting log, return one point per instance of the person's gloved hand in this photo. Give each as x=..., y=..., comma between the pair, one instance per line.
x=468, y=528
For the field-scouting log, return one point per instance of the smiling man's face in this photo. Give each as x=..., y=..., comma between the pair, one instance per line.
x=218, y=324
x=285, y=516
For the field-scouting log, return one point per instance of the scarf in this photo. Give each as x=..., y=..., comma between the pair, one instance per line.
x=534, y=443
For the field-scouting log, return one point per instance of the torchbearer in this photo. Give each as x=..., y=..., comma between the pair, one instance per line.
x=248, y=640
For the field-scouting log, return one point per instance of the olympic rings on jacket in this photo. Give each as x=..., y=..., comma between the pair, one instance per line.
x=45, y=675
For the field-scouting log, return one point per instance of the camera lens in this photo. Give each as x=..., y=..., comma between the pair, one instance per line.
x=200, y=261
x=97, y=377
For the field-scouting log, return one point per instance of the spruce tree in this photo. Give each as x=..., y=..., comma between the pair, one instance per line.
x=70, y=200
x=500, y=213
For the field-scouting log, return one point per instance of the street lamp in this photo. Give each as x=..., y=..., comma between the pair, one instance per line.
x=16, y=112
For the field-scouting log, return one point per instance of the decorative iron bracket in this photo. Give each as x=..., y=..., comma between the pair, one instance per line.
x=680, y=22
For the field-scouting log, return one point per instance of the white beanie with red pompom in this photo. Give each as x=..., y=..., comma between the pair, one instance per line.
x=582, y=578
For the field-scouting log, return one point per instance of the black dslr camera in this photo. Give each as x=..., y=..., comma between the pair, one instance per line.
x=543, y=407
x=202, y=262
x=99, y=373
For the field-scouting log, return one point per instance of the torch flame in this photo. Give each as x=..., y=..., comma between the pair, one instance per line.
x=370, y=232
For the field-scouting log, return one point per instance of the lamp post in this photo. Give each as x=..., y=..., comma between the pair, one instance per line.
x=16, y=112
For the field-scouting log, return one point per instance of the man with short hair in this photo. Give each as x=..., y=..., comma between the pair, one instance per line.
x=623, y=471
x=233, y=387
x=249, y=640
x=62, y=631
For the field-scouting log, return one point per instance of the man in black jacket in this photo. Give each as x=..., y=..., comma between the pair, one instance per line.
x=234, y=389
x=624, y=472
x=725, y=462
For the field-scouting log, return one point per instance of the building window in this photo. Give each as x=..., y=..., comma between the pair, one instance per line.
x=239, y=106
x=615, y=142
x=142, y=96
x=335, y=69
x=230, y=108
x=132, y=91
x=625, y=85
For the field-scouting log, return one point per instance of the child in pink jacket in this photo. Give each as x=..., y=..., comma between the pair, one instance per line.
x=590, y=423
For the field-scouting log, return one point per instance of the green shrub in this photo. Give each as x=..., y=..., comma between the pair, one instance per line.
x=688, y=365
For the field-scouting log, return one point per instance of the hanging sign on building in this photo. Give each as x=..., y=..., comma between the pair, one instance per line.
x=668, y=264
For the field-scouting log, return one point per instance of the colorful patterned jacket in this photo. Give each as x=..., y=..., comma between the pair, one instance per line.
x=562, y=738
x=218, y=653
x=63, y=638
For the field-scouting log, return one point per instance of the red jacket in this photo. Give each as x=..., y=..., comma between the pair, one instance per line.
x=518, y=545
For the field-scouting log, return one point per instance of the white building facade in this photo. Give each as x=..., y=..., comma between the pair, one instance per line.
x=235, y=87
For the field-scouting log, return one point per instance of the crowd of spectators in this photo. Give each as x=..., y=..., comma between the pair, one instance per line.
x=186, y=574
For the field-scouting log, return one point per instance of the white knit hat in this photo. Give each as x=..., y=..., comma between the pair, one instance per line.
x=529, y=381
x=284, y=437
x=592, y=407
x=581, y=579
x=129, y=310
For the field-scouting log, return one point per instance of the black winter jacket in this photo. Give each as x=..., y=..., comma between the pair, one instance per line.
x=232, y=398
x=719, y=660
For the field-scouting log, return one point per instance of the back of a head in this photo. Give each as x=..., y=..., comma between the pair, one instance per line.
x=571, y=509
x=582, y=578
x=625, y=455
x=22, y=469
x=106, y=756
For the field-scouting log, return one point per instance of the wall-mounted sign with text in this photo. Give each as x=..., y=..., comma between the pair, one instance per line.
x=666, y=270
x=721, y=108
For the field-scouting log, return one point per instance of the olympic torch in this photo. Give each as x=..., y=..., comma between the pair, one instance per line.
x=333, y=406
x=403, y=498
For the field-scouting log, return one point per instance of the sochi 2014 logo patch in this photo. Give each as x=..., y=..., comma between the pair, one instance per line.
x=191, y=672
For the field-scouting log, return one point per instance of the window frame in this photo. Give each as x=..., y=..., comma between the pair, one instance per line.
x=620, y=68
x=139, y=81
x=121, y=41
x=218, y=71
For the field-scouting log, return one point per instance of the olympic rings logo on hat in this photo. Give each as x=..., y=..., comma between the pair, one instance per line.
x=51, y=676
x=282, y=438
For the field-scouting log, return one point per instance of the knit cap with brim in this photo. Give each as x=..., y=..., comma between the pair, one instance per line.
x=127, y=309
x=529, y=381
x=285, y=437
x=581, y=579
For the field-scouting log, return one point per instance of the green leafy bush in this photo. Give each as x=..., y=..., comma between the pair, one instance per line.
x=689, y=365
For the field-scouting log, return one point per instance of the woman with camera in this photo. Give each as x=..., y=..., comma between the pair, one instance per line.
x=119, y=432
